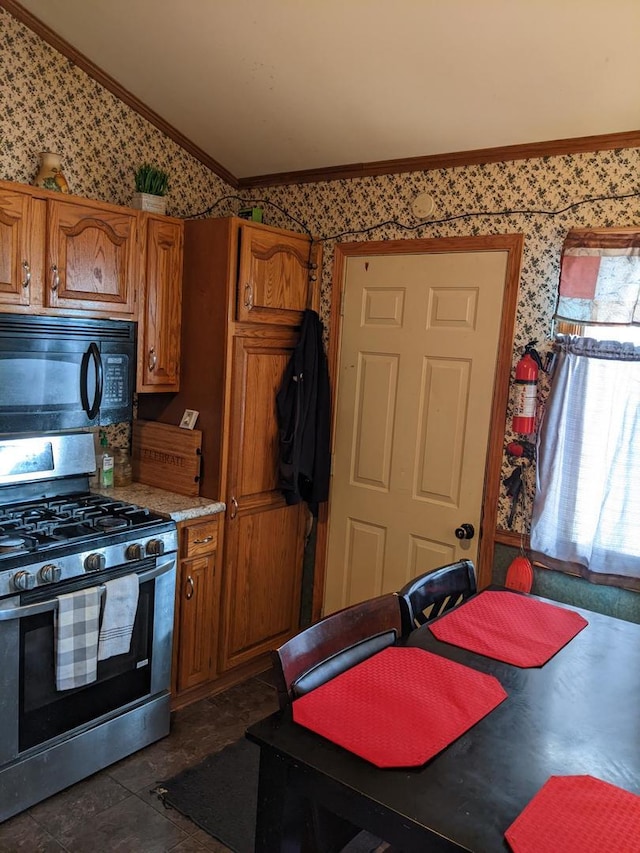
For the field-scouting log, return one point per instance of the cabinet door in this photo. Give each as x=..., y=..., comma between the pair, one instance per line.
x=263, y=536
x=273, y=277
x=263, y=569
x=17, y=261
x=91, y=258
x=196, y=622
x=159, y=331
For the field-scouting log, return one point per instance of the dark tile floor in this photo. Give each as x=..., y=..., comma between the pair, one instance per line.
x=116, y=809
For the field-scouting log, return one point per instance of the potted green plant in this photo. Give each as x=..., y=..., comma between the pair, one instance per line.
x=152, y=185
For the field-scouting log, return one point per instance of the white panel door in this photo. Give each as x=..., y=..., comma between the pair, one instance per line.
x=419, y=345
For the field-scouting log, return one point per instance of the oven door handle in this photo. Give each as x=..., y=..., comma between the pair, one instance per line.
x=158, y=569
x=8, y=612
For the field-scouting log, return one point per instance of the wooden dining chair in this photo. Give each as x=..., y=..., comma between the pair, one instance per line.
x=314, y=656
x=334, y=644
x=433, y=593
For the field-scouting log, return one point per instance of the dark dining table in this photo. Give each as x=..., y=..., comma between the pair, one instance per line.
x=577, y=714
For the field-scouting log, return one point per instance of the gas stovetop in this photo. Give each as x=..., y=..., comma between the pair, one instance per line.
x=51, y=531
x=31, y=527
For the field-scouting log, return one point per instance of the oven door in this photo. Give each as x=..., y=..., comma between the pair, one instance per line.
x=32, y=711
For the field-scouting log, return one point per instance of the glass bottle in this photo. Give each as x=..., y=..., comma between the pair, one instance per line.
x=106, y=462
x=122, y=475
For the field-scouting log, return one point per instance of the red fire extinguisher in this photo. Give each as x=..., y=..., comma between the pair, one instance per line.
x=526, y=391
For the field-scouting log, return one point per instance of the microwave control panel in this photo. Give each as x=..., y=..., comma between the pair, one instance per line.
x=116, y=380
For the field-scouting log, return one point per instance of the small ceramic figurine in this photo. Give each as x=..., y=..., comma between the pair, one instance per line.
x=50, y=175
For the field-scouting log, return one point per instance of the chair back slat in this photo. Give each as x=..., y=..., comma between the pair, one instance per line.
x=433, y=593
x=334, y=644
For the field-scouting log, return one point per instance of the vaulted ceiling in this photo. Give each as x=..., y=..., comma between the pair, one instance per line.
x=263, y=87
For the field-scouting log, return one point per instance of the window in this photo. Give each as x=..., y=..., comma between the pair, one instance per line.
x=587, y=504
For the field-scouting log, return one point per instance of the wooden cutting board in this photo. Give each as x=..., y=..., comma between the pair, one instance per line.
x=167, y=457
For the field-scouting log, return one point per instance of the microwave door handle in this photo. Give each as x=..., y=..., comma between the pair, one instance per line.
x=91, y=409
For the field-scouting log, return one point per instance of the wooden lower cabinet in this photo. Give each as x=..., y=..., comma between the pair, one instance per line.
x=196, y=609
x=263, y=580
x=196, y=667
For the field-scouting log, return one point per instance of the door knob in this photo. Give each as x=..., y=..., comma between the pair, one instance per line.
x=465, y=531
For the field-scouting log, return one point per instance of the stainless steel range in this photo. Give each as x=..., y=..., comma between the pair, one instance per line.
x=64, y=712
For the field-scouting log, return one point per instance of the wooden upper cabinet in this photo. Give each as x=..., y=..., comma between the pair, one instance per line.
x=160, y=309
x=83, y=257
x=91, y=257
x=21, y=256
x=275, y=276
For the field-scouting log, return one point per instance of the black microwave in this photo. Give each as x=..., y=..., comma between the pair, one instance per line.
x=59, y=373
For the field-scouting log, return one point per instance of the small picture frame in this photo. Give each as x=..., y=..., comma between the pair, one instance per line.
x=189, y=419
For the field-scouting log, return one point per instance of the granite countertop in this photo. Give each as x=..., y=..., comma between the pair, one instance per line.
x=178, y=507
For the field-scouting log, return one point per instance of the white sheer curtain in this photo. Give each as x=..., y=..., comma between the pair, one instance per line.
x=587, y=503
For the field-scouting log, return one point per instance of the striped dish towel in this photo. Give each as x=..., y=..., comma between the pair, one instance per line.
x=77, y=623
x=119, y=615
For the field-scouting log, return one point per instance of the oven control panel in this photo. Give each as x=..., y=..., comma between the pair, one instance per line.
x=51, y=568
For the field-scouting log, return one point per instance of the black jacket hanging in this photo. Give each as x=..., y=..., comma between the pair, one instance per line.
x=304, y=415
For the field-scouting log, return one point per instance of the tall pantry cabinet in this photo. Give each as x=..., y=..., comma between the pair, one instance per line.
x=245, y=287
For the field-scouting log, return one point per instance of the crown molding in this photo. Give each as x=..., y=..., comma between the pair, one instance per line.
x=478, y=156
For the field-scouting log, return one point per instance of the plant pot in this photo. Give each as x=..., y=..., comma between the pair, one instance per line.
x=150, y=203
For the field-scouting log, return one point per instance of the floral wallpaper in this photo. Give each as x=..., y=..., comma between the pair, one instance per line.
x=47, y=103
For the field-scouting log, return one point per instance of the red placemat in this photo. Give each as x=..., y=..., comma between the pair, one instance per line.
x=578, y=814
x=399, y=707
x=509, y=627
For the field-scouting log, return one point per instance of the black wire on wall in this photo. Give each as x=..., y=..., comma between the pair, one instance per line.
x=423, y=223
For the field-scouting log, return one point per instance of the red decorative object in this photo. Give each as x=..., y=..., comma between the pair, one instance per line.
x=509, y=627
x=520, y=575
x=399, y=707
x=578, y=814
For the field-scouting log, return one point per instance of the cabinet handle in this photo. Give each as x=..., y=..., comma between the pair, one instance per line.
x=248, y=297
x=234, y=508
x=153, y=358
x=189, y=590
x=202, y=541
x=27, y=274
x=55, y=280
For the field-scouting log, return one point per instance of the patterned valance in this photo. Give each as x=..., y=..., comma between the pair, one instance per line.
x=600, y=277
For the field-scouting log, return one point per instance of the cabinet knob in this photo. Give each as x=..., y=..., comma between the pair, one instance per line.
x=55, y=278
x=189, y=588
x=234, y=508
x=27, y=274
x=153, y=358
